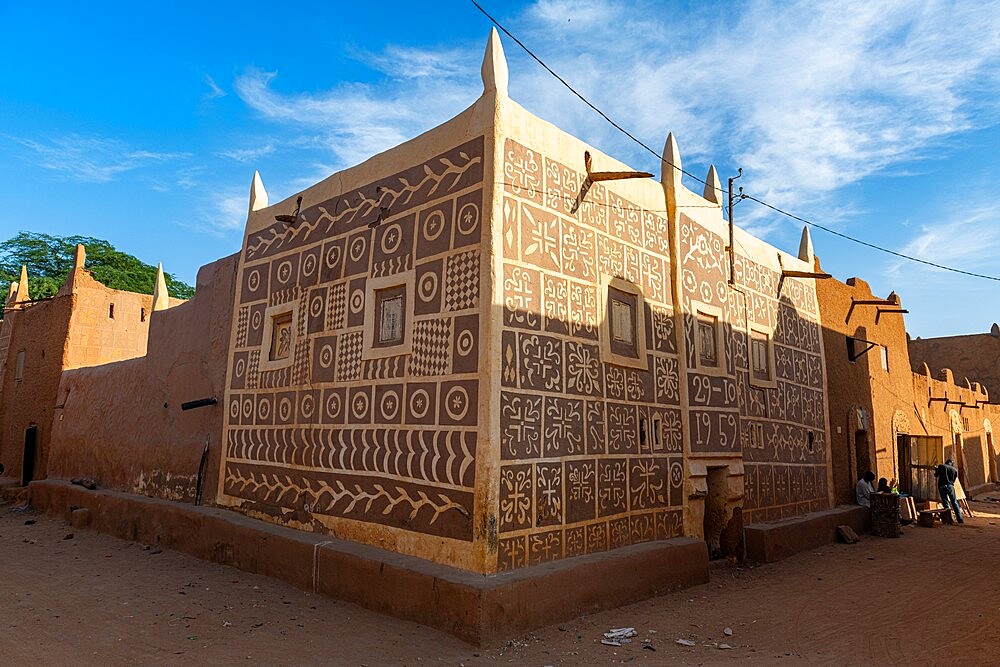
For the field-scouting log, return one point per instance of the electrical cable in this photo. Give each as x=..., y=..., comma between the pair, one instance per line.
x=702, y=181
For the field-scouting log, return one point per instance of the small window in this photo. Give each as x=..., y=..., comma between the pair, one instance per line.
x=281, y=337
x=621, y=313
x=756, y=436
x=811, y=444
x=19, y=366
x=760, y=355
x=111, y=311
x=884, y=354
x=965, y=423
x=851, y=355
x=621, y=322
x=657, y=434
x=142, y=314
x=642, y=433
x=708, y=349
x=390, y=311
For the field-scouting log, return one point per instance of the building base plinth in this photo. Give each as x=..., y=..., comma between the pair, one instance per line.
x=480, y=609
x=776, y=540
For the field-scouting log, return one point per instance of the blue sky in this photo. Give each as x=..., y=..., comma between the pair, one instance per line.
x=143, y=124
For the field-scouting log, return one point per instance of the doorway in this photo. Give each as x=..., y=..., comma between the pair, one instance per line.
x=30, y=451
x=991, y=455
x=715, y=509
x=862, y=455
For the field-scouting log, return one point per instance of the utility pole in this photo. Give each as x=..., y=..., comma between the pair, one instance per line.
x=732, y=230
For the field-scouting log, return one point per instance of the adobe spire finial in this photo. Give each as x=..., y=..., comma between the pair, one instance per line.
x=494, y=70
x=258, y=195
x=22, y=287
x=161, y=299
x=806, y=253
x=713, y=186
x=80, y=257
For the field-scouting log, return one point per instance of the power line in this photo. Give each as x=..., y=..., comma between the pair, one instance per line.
x=702, y=181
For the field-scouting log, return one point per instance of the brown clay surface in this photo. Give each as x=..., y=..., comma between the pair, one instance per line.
x=930, y=597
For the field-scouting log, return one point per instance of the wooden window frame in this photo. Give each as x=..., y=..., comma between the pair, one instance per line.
x=615, y=352
x=271, y=316
x=388, y=287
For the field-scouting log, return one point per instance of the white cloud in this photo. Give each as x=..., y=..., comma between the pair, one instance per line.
x=808, y=98
x=228, y=210
x=355, y=121
x=214, y=90
x=247, y=155
x=91, y=159
x=969, y=239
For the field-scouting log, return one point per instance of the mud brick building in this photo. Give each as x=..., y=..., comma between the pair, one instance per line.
x=487, y=379
x=888, y=417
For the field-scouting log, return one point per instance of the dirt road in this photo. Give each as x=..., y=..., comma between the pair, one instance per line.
x=930, y=597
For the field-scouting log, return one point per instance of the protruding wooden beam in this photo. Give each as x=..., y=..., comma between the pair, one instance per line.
x=597, y=176
x=787, y=273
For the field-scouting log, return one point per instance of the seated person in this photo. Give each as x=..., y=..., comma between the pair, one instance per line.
x=864, y=489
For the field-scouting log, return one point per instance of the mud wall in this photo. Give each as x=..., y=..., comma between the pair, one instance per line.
x=107, y=325
x=869, y=404
x=121, y=423
x=38, y=330
x=590, y=434
x=974, y=356
x=336, y=429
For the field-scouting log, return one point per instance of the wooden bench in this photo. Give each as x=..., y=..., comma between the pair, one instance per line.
x=927, y=518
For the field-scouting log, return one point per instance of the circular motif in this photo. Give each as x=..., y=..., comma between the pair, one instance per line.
x=247, y=408
x=359, y=405
x=333, y=405
x=357, y=301
x=284, y=272
x=392, y=236
x=358, y=248
x=234, y=410
x=333, y=256
x=456, y=403
x=706, y=292
x=257, y=319
x=326, y=357
x=253, y=280
x=420, y=403
x=428, y=287
x=468, y=218
x=433, y=225
x=676, y=474
x=307, y=406
x=285, y=409
x=264, y=408
x=316, y=307
x=390, y=404
x=464, y=343
x=241, y=366
x=308, y=265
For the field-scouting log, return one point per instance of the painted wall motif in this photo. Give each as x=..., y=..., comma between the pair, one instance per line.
x=590, y=450
x=776, y=423
x=335, y=432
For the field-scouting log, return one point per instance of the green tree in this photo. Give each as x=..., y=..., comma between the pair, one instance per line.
x=50, y=258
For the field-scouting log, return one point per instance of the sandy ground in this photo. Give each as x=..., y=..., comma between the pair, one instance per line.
x=79, y=597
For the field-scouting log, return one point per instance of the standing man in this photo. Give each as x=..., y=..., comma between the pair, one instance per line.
x=864, y=489
x=946, y=475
